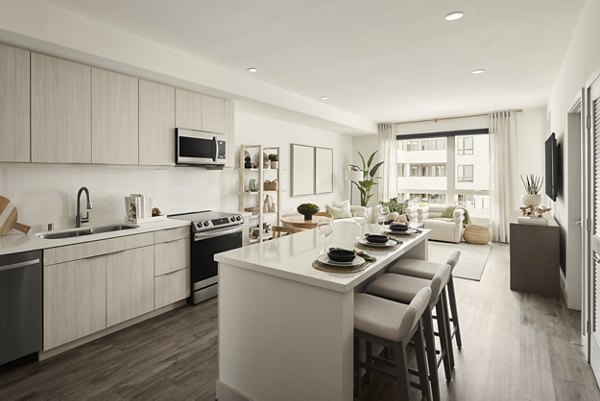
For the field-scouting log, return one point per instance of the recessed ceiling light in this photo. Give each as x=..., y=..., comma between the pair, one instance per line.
x=479, y=71
x=454, y=15
x=324, y=98
x=252, y=69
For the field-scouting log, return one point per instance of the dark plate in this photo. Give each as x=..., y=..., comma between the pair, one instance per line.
x=398, y=227
x=341, y=255
x=376, y=238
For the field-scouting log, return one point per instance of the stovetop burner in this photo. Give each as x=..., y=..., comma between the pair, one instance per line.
x=209, y=220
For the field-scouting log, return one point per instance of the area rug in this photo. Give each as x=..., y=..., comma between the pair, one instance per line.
x=471, y=264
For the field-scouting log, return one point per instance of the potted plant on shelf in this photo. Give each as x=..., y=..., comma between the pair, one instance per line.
x=369, y=170
x=274, y=158
x=307, y=210
x=533, y=186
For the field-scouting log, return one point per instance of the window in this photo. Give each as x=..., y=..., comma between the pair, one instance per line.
x=464, y=145
x=414, y=171
x=464, y=173
x=412, y=146
x=425, y=144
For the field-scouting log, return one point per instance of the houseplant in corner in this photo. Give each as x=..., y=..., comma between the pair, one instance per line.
x=533, y=186
x=369, y=171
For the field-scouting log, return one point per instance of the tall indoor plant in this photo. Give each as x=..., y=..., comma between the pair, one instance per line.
x=369, y=170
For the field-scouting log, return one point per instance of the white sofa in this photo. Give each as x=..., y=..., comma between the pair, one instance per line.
x=442, y=229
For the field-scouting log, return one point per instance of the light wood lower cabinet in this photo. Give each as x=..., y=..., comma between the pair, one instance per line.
x=172, y=287
x=74, y=300
x=171, y=256
x=94, y=285
x=129, y=284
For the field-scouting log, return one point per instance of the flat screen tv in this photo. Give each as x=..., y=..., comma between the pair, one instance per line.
x=551, y=167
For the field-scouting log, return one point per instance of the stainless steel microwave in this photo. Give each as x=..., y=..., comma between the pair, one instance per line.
x=200, y=148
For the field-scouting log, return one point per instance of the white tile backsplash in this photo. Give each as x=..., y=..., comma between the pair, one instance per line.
x=47, y=193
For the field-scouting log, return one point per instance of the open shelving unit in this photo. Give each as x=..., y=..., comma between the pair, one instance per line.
x=254, y=201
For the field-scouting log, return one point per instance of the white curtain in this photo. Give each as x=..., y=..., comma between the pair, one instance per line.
x=388, y=186
x=503, y=142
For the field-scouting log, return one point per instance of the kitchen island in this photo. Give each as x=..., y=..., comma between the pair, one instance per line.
x=285, y=328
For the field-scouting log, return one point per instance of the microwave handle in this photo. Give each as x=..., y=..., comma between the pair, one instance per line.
x=216, y=149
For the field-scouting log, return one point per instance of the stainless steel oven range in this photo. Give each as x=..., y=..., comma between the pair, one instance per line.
x=211, y=233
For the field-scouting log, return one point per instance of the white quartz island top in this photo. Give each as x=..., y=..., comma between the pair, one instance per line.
x=19, y=242
x=291, y=256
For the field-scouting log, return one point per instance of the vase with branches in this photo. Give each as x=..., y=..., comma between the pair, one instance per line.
x=368, y=169
x=533, y=186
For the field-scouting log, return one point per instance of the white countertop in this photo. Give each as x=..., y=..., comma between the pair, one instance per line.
x=291, y=256
x=18, y=242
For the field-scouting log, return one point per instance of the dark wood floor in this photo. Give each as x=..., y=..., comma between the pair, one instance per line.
x=517, y=347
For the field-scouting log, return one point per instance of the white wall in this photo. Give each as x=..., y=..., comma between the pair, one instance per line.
x=580, y=65
x=251, y=129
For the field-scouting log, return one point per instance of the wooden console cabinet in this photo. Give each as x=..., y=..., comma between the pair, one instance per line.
x=535, y=258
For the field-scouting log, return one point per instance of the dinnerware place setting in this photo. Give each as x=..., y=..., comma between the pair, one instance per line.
x=400, y=230
x=379, y=241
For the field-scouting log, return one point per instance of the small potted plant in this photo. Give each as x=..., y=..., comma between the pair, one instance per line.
x=533, y=186
x=307, y=210
x=274, y=158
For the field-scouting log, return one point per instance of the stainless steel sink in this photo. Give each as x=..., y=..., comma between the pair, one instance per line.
x=78, y=232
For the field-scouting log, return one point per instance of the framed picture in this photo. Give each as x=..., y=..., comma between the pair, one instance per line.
x=303, y=170
x=323, y=170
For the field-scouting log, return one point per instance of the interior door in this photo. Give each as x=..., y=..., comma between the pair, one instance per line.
x=594, y=243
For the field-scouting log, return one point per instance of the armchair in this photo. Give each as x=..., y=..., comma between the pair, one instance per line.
x=442, y=229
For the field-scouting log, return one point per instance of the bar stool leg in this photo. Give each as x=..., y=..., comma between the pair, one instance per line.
x=431, y=355
x=454, y=310
x=369, y=354
x=439, y=311
x=446, y=322
x=421, y=364
x=402, y=372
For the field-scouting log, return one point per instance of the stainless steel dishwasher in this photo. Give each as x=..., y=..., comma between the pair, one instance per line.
x=20, y=305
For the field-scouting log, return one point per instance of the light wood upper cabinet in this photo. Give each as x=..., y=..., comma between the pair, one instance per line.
x=157, y=124
x=74, y=300
x=114, y=118
x=188, y=109
x=213, y=114
x=129, y=284
x=229, y=132
x=14, y=105
x=60, y=111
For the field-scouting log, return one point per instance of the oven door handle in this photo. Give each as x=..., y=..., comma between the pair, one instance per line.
x=216, y=233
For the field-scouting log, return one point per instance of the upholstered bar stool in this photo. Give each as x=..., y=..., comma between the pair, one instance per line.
x=392, y=325
x=403, y=289
x=424, y=269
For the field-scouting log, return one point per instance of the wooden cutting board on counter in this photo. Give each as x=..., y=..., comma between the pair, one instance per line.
x=8, y=218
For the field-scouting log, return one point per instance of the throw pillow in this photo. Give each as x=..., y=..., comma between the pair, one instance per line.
x=339, y=210
x=448, y=212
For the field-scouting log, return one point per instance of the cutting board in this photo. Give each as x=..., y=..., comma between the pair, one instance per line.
x=8, y=217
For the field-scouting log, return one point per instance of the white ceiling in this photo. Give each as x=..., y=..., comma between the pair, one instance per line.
x=392, y=60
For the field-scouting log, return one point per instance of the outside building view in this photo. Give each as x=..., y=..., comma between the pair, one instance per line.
x=451, y=170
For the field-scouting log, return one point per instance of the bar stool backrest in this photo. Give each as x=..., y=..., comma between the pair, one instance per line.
x=414, y=312
x=438, y=282
x=453, y=260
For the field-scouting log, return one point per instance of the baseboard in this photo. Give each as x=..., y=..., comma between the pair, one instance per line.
x=228, y=393
x=74, y=344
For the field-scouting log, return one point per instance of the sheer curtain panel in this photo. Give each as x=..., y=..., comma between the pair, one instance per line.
x=388, y=186
x=503, y=140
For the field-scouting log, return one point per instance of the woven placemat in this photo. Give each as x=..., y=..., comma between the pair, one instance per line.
x=338, y=269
